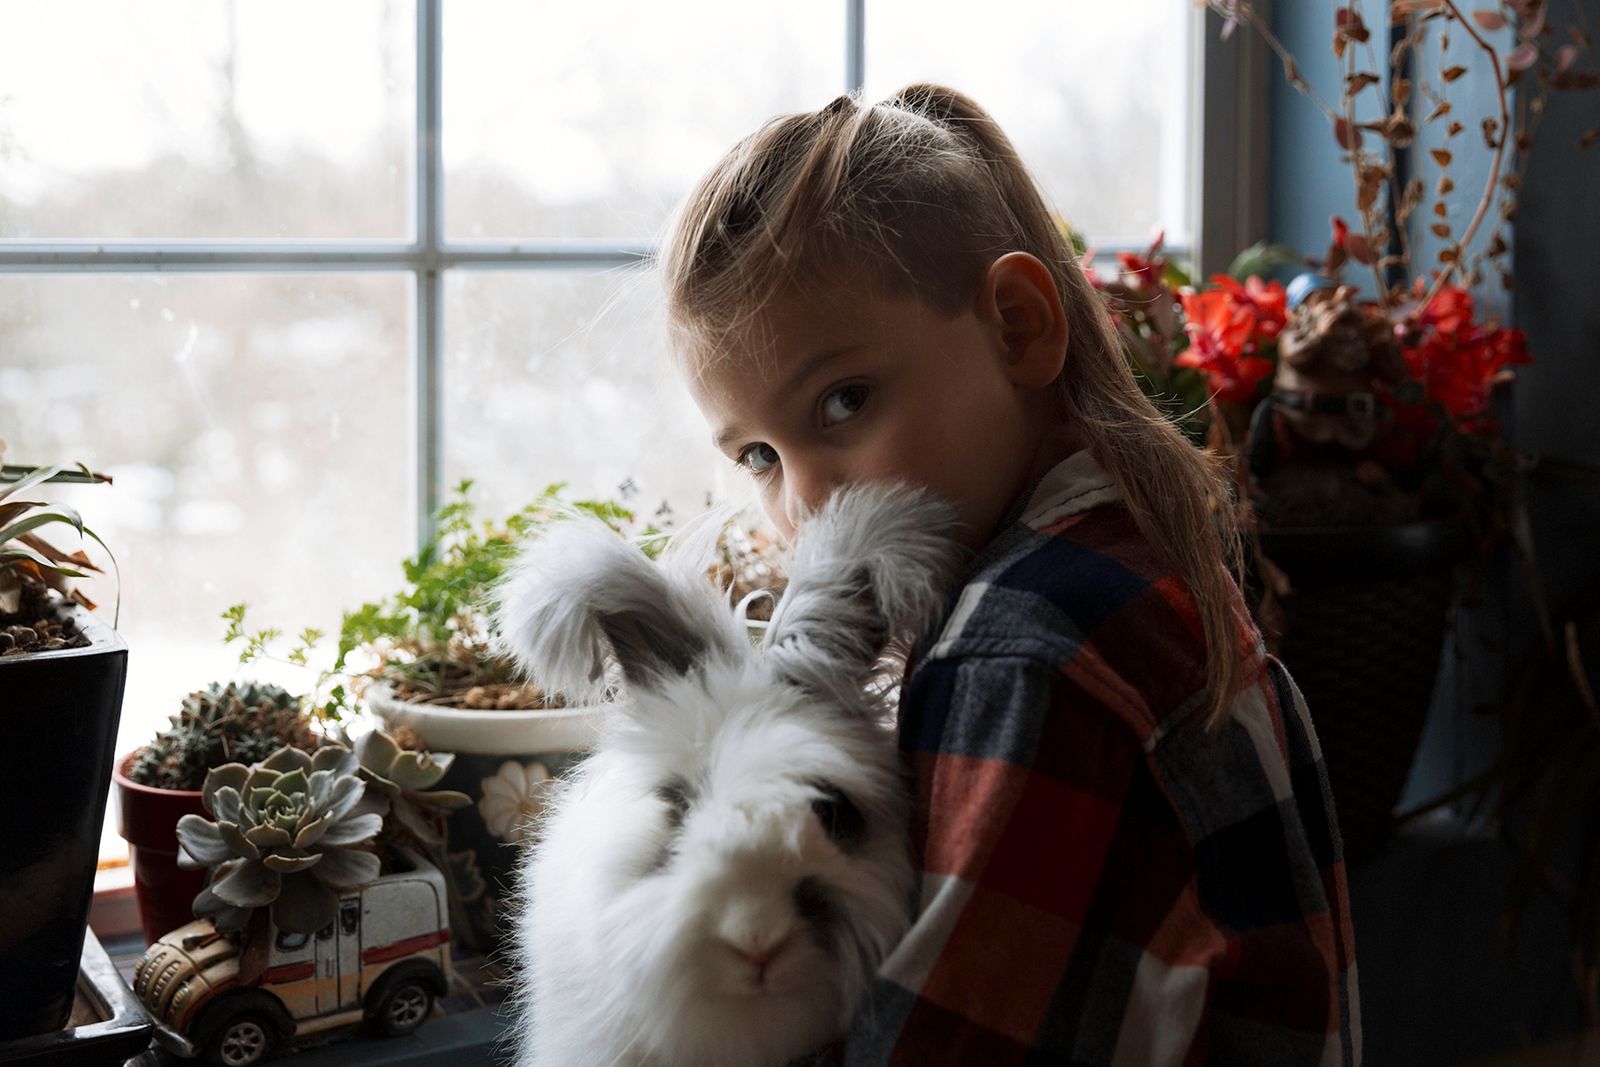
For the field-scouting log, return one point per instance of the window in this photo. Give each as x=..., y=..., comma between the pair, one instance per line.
x=288, y=942
x=289, y=271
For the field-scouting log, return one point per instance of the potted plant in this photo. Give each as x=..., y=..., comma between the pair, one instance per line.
x=1361, y=428
x=61, y=680
x=159, y=783
x=421, y=660
x=315, y=912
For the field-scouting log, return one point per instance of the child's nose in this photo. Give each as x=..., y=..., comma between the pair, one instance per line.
x=805, y=490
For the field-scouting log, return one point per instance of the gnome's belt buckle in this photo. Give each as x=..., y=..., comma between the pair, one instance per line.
x=1355, y=405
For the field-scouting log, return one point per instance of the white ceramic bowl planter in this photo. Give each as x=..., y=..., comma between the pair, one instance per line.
x=504, y=760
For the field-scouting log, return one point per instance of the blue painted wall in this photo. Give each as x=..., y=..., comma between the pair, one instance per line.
x=1435, y=985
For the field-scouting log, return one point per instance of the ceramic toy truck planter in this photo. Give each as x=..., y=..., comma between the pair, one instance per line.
x=382, y=962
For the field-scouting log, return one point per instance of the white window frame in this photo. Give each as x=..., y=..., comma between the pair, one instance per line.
x=1227, y=87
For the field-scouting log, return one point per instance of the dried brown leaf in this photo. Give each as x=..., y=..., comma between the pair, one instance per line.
x=1589, y=137
x=1439, y=208
x=1360, y=251
x=1450, y=74
x=1409, y=200
x=1445, y=185
x=1448, y=255
x=1523, y=56
x=1566, y=55
x=1440, y=229
x=1438, y=112
x=1440, y=156
x=1400, y=91
x=1357, y=82
x=1489, y=20
x=1348, y=136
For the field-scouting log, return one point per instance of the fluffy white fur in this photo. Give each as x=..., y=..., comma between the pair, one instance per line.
x=692, y=899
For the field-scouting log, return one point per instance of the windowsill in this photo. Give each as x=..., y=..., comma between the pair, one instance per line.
x=114, y=913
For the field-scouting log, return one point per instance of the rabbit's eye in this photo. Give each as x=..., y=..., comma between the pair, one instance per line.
x=840, y=818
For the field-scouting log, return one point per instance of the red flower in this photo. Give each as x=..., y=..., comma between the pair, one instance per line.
x=1459, y=362
x=1145, y=271
x=1267, y=301
x=1222, y=344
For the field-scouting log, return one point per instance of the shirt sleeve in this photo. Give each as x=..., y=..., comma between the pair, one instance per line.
x=1061, y=915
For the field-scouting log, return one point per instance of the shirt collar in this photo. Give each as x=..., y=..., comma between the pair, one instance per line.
x=1076, y=484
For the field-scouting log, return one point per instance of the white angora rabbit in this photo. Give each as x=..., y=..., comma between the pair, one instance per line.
x=717, y=883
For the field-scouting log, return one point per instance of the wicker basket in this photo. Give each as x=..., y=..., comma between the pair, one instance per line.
x=1363, y=633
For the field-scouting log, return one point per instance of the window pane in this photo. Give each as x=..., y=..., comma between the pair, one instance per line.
x=593, y=120
x=562, y=376
x=207, y=119
x=258, y=429
x=1095, y=96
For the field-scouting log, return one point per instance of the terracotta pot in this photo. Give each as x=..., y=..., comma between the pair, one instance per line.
x=60, y=710
x=147, y=818
x=502, y=761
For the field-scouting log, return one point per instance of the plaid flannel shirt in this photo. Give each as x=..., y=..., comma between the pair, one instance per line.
x=1103, y=882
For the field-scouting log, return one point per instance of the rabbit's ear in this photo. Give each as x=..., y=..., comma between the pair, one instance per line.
x=579, y=590
x=875, y=562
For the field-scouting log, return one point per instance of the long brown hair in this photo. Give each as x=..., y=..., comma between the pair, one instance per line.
x=918, y=195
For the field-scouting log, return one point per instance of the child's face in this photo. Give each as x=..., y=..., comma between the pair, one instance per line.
x=865, y=388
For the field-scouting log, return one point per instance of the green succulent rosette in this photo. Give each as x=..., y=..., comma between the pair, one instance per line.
x=402, y=783
x=287, y=836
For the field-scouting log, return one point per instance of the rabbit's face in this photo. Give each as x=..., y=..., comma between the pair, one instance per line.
x=776, y=863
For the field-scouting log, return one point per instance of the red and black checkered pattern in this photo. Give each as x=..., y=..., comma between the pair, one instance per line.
x=1104, y=881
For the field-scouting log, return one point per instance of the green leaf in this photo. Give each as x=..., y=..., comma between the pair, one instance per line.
x=59, y=513
x=291, y=863
x=1262, y=259
x=31, y=478
x=249, y=885
x=201, y=842
x=267, y=837
x=287, y=758
x=343, y=868
x=376, y=751
x=354, y=830
x=229, y=775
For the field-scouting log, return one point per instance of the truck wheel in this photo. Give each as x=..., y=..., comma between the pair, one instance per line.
x=242, y=1041
x=403, y=1007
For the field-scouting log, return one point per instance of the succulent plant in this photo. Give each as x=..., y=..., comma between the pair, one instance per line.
x=286, y=836
x=399, y=784
x=241, y=722
x=35, y=576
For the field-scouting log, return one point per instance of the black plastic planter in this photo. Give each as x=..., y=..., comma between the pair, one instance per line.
x=60, y=711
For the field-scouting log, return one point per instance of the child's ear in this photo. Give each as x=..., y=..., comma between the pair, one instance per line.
x=1020, y=300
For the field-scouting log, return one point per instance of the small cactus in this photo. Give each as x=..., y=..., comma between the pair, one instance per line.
x=241, y=722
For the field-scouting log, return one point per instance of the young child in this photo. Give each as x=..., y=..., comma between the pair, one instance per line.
x=1126, y=838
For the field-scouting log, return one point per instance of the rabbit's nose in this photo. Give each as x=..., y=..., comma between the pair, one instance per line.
x=759, y=953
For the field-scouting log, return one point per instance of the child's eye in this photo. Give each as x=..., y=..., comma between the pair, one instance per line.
x=758, y=458
x=842, y=404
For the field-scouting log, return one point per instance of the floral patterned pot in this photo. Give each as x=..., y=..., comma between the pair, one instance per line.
x=503, y=761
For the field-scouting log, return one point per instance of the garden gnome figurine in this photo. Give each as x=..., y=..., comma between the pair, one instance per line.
x=1323, y=404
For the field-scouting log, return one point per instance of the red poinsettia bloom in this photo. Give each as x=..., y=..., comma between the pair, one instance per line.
x=1223, y=342
x=1267, y=301
x=1458, y=361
